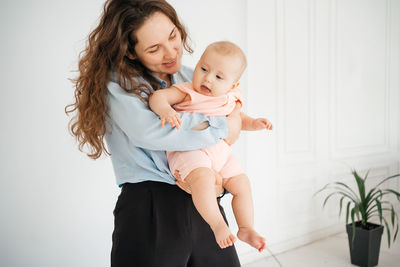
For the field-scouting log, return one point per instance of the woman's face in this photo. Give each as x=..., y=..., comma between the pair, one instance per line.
x=159, y=45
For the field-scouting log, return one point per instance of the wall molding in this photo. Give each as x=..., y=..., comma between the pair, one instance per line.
x=337, y=150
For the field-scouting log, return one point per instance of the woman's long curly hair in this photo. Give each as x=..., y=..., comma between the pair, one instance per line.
x=106, y=51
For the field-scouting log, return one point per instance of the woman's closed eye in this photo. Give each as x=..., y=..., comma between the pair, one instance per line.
x=173, y=36
x=154, y=50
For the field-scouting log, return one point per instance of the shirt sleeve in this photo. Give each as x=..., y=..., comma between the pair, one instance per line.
x=143, y=127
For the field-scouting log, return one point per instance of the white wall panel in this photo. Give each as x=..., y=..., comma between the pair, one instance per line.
x=296, y=80
x=361, y=58
x=333, y=94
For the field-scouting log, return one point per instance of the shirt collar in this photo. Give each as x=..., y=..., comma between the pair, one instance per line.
x=161, y=82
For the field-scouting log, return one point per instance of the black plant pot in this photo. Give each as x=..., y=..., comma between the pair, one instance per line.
x=364, y=251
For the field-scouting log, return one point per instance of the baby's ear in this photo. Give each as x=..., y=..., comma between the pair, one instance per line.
x=235, y=85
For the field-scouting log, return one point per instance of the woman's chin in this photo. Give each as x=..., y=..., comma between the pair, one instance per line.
x=172, y=69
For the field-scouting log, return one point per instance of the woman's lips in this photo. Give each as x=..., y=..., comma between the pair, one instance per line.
x=170, y=64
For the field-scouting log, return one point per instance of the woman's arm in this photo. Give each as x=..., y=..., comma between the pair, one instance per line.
x=142, y=126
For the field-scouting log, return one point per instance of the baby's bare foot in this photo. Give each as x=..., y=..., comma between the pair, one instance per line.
x=223, y=235
x=251, y=237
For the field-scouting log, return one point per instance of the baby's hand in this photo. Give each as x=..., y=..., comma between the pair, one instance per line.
x=261, y=123
x=172, y=117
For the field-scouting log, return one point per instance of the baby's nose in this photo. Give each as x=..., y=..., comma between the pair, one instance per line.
x=208, y=78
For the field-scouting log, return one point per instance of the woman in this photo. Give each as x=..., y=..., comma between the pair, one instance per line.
x=136, y=49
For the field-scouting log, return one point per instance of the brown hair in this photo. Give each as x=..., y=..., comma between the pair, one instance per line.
x=106, y=51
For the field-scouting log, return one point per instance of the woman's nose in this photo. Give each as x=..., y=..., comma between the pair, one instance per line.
x=170, y=52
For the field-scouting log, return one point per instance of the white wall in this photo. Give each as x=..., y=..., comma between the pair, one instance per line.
x=327, y=72
x=55, y=203
x=317, y=69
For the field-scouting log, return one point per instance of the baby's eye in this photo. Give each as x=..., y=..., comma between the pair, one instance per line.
x=219, y=77
x=203, y=69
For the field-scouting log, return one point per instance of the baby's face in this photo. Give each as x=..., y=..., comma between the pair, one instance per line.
x=216, y=74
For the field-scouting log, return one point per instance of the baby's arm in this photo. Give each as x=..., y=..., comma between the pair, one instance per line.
x=161, y=102
x=252, y=124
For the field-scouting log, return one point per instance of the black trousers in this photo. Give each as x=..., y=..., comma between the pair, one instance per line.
x=157, y=225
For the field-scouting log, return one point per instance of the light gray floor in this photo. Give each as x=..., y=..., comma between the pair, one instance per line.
x=330, y=252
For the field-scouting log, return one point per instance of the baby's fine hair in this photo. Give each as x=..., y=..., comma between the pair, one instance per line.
x=227, y=48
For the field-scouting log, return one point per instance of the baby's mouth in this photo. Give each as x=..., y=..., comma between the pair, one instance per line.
x=205, y=90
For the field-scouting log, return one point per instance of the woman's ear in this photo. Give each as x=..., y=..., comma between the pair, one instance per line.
x=130, y=56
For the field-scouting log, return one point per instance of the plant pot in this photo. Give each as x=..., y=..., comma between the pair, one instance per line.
x=364, y=251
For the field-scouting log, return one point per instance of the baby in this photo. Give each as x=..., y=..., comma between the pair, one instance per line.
x=213, y=92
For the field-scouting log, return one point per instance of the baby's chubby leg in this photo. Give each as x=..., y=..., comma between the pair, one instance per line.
x=242, y=205
x=202, y=182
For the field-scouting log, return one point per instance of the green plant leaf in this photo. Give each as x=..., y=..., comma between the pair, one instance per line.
x=360, y=185
x=376, y=213
x=387, y=231
x=365, y=204
x=370, y=211
x=354, y=195
x=393, y=217
x=371, y=197
x=347, y=212
x=378, y=204
x=353, y=225
x=327, y=198
x=372, y=208
x=348, y=196
x=366, y=176
x=388, y=178
x=340, y=206
x=393, y=192
x=322, y=189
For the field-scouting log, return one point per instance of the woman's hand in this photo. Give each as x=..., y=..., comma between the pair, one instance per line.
x=234, y=125
x=186, y=187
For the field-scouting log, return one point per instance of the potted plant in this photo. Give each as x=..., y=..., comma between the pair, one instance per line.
x=361, y=206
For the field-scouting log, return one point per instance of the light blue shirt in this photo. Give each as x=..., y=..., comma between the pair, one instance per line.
x=137, y=142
